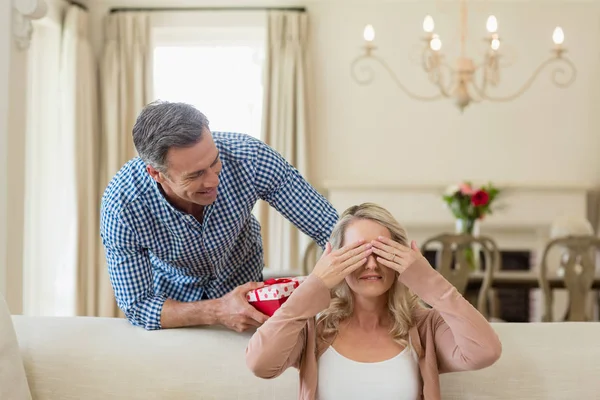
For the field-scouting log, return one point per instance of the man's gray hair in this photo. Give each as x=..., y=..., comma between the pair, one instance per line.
x=162, y=125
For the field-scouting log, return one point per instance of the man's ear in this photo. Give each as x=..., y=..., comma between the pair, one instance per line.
x=154, y=173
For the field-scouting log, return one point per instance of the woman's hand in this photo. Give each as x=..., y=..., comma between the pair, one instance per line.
x=394, y=255
x=334, y=266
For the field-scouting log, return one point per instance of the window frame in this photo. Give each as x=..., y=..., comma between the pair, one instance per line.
x=210, y=28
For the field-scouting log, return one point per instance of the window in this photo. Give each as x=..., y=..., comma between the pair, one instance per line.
x=214, y=61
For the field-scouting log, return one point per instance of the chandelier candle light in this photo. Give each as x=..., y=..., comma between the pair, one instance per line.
x=460, y=82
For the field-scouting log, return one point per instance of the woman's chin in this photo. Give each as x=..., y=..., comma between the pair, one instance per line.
x=370, y=288
x=371, y=292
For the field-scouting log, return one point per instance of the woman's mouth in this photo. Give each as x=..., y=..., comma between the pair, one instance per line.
x=370, y=278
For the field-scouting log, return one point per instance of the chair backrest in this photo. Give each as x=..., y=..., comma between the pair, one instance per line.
x=451, y=261
x=311, y=256
x=578, y=262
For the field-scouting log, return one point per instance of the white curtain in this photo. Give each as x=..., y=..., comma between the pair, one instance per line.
x=285, y=128
x=81, y=124
x=126, y=87
x=48, y=257
x=61, y=223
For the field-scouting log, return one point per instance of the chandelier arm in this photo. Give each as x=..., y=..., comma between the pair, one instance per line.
x=479, y=91
x=369, y=75
x=556, y=79
x=483, y=63
x=434, y=71
x=425, y=61
x=446, y=90
x=438, y=79
x=484, y=78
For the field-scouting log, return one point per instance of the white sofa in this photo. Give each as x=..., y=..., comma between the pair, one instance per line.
x=97, y=358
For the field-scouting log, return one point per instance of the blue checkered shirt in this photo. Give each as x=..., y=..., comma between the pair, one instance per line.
x=155, y=252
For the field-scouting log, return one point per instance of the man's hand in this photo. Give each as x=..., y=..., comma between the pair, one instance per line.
x=236, y=313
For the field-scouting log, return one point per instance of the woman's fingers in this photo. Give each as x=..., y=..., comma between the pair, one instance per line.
x=354, y=252
x=389, y=264
x=414, y=247
x=399, y=251
x=392, y=243
x=357, y=258
x=342, y=251
x=349, y=258
x=383, y=254
x=353, y=267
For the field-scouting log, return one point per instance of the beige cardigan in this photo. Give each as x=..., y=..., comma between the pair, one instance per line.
x=452, y=336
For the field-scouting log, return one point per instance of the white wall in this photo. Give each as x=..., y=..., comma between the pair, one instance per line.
x=549, y=136
x=13, y=85
x=546, y=137
x=13, y=125
x=5, y=38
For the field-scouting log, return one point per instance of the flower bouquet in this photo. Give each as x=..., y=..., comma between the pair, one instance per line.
x=469, y=205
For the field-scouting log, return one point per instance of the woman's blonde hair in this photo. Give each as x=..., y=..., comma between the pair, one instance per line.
x=401, y=301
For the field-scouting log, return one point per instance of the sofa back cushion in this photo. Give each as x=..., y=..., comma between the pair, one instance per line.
x=13, y=381
x=105, y=358
x=539, y=361
x=74, y=358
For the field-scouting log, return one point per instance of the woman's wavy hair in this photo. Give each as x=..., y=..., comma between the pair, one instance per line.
x=401, y=301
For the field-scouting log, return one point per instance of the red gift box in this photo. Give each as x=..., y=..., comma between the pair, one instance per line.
x=273, y=294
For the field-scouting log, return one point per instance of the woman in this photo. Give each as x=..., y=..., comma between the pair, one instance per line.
x=355, y=328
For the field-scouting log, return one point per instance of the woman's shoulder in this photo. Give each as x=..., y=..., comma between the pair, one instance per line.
x=425, y=318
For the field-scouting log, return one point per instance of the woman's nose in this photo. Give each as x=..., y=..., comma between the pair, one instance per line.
x=371, y=262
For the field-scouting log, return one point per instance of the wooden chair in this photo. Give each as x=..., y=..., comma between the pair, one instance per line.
x=311, y=256
x=578, y=262
x=452, y=264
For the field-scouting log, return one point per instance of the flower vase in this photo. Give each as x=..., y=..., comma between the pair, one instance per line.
x=472, y=252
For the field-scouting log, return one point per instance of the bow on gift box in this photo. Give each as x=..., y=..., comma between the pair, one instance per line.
x=273, y=281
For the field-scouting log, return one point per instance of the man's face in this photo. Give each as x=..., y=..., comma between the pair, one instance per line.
x=193, y=172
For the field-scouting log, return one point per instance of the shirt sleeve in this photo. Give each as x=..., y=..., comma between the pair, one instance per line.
x=281, y=185
x=130, y=273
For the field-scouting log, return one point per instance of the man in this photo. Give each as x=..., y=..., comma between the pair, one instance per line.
x=182, y=245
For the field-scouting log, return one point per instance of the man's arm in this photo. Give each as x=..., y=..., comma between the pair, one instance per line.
x=231, y=310
x=176, y=314
x=131, y=276
x=282, y=186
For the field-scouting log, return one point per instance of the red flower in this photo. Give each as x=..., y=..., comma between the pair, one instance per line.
x=480, y=198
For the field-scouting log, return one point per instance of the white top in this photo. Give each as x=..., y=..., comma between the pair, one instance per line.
x=397, y=378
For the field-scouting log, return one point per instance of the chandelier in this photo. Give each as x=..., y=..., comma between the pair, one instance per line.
x=467, y=82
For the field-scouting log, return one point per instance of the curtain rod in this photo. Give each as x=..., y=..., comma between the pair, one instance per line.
x=161, y=9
